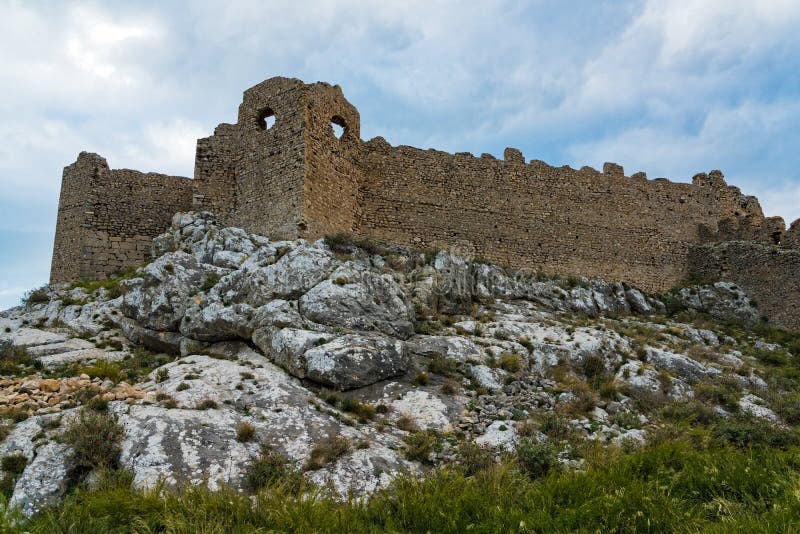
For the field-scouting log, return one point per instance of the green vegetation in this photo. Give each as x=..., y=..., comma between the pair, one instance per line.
x=671, y=487
x=245, y=432
x=420, y=445
x=210, y=281
x=327, y=451
x=95, y=439
x=12, y=467
x=422, y=379
x=17, y=363
x=510, y=362
x=344, y=243
x=39, y=295
x=363, y=410
x=111, y=284
x=442, y=365
x=272, y=469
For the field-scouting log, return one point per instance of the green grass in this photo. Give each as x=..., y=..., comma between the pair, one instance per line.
x=672, y=487
x=111, y=283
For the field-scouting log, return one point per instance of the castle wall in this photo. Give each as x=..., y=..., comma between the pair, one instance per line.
x=270, y=170
x=77, y=182
x=791, y=238
x=769, y=275
x=541, y=218
x=333, y=170
x=108, y=218
x=295, y=178
x=215, y=172
x=292, y=179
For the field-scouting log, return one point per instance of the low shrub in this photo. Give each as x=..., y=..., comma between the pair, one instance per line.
x=449, y=387
x=536, y=459
x=97, y=404
x=162, y=375
x=245, y=432
x=748, y=432
x=510, y=362
x=326, y=451
x=210, y=281
x=206, y=404
x=473, y=458
x=12, y=467
x=39, y=295
x=442, y=365
x=406, y=423
x=362, y=410
x=420, y=445
x=95, y=439
x=269, y=469
x=422, y=379
x=104, y=369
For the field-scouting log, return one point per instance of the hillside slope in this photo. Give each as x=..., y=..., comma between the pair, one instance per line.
x=347, y=364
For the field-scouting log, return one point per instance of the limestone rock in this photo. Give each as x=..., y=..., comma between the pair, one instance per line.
x=296, y=272
x=287, y=346
x=356, y=298
x=44, y=480
x=454, y=286
x=169, y=342
x=356, y=360
x=426, y=410
x=279, y=313
x=500, y=434
x=159, y=298
x=456, y=348
x=208, y=319
x=723, y=300
x=680, y=365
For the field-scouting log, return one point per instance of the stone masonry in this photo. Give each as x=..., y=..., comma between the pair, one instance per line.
x=282, y=171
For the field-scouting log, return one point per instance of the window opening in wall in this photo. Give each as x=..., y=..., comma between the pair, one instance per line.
x=338, y=126
x=266, y=119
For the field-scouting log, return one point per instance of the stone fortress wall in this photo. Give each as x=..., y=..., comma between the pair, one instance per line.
x=107, y=218
x=295, y=178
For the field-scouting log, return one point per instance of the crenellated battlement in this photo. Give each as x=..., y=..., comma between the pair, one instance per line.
x=283, y=170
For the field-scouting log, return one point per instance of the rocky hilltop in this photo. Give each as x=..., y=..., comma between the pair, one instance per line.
x=356, y=362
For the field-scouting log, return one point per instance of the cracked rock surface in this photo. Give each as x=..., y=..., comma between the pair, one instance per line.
x=304, y=342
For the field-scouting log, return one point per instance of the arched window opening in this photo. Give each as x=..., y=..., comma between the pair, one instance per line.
x=266, y=119
x=338, y=126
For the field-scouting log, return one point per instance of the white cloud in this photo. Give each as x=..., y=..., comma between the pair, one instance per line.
x=164, y=146
x=679, y=50
x=95, y=42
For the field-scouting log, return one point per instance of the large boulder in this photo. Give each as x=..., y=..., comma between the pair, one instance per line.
x=293, y=274
x=155, y=340
x=346, y=362
x=159, y=298
x=356, y=360
x=454, y=283
x=457, y=348
x=44, y=480
x=357, y=298
x=723, y=300
x=287, y=346
x=208, y=319
x=196, y=442
x=680, y=366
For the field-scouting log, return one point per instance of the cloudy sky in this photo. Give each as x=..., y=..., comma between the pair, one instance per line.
x=670, y=87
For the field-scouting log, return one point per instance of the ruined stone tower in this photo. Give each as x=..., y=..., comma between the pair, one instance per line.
x=282, y=171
